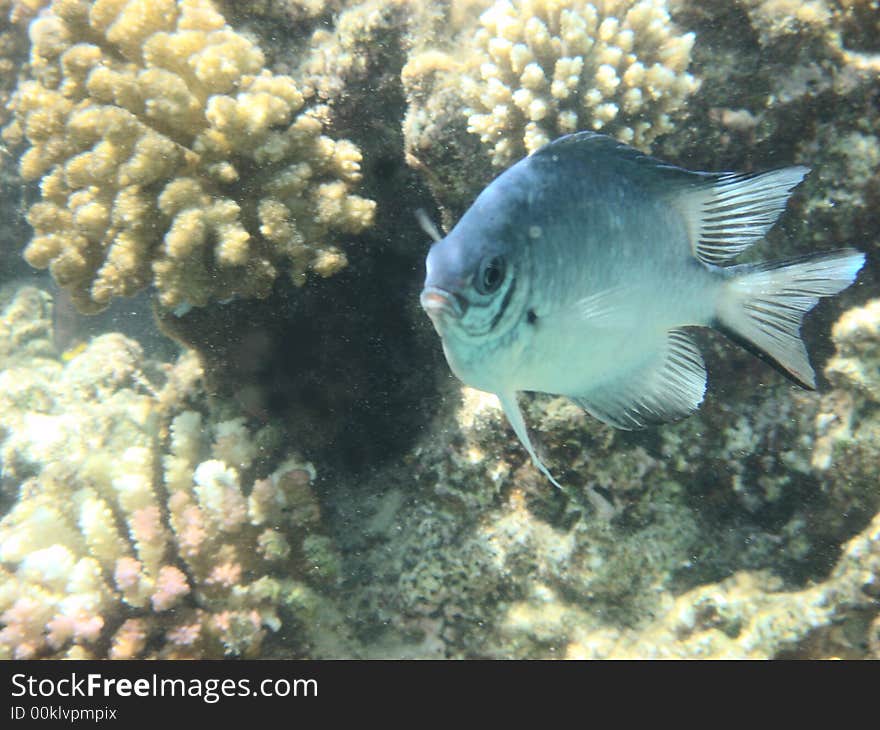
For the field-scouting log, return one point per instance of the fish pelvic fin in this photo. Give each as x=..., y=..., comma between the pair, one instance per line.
x=514, y=415
x=727, y=213
x=668, y=387
x=762, y=306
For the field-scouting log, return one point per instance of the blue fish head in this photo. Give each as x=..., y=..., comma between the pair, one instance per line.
x=448, y=270
x=472, y=267
x=464, y=273
x=478, y=278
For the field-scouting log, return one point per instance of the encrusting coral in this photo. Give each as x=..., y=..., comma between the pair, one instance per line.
x=168, y=156
x=748, y=530
x=744, y=616
x=142, y=527
x=856, y=364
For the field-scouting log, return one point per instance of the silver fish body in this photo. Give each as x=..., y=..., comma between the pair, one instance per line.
x=575, y=270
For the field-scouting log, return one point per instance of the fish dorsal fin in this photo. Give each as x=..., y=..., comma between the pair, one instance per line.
x=514, y=415
x=727, y=213
x=591, y=147
x=668, y=388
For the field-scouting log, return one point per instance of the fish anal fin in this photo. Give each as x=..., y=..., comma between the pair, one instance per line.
x=668, y=388
x=514, y=415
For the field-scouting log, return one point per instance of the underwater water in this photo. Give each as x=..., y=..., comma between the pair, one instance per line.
x=227, y=427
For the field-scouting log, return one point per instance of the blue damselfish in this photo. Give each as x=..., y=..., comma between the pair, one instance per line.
x=575, y=271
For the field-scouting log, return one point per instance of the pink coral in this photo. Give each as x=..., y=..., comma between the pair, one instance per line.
x=23, y=630
x=190, y=525
x=226, y=574
x=185, y=634
x=82, y=626
x=146, y=525
x=234, y=509
x=129, y=640
x=127, y=573
x=170, y=587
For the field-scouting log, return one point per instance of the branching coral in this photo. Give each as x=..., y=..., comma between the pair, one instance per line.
x=361, y=32
x=551, y=67
x=169, y=156
x=848, y=28
x=24, y=326
x=142, y=528
x=13, y=50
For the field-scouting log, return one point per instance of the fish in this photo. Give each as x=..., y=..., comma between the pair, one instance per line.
x=580, y=270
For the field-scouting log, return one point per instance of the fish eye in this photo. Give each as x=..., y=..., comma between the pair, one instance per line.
x=490, y=275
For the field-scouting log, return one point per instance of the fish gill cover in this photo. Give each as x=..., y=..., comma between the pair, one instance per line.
x=308, y=455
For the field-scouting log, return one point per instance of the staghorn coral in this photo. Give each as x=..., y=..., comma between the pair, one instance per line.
x=550, y=68
x=168, y=156
x=142, y=528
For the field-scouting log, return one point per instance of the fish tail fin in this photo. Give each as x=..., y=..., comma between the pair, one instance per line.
x=762, y=306
x=514, y=415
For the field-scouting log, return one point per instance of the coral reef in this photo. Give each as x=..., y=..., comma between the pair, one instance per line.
x=788, y=82
x=13, y=51
x=744, y=616
x=551, y=68
x=168, y=155
x=13, y=54
x=172, y=153
x=748, y=530
x=24, y=326
x=143, y=527
x=487, y=83
x=856, y=365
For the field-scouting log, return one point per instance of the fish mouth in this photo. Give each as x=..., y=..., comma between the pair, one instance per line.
x=440, y=304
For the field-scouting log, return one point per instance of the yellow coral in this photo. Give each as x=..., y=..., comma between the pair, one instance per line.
x=855, y=364
x=169, y=156
x=550, y=67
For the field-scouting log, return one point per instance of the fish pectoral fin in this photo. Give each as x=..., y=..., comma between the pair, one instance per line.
x=606, y=309
x=514, y=415
x=668, y=388
x=727, y=213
